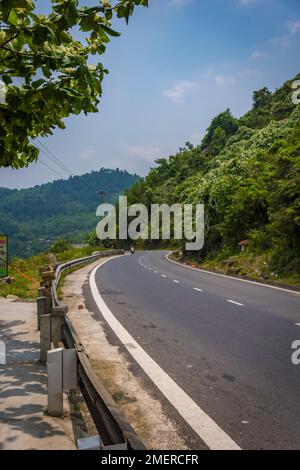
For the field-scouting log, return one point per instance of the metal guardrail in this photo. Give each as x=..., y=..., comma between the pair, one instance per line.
x=114, y=430
x=77, y=262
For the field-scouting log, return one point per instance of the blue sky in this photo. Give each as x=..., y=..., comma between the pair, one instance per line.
x=175, y=66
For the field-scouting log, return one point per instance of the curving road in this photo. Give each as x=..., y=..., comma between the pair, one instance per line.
x=217, y=350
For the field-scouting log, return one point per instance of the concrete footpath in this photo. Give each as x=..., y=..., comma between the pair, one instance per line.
x=23, y=386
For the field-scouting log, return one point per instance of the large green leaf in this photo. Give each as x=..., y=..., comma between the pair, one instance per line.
x=53, y=65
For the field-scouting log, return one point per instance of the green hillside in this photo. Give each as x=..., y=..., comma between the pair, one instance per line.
x=247, y=173
x=34, y=217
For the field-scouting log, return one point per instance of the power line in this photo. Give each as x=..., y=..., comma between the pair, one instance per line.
x=48, y=153
x=55, y=159
x=50, y=168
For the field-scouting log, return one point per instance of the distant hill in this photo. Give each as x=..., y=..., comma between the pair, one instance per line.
x=34, y=217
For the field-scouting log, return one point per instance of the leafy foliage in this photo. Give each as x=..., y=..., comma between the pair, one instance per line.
x=26, y=287
x=60, y=245
x=46, y=70
x=247, y=173
x=222, y=127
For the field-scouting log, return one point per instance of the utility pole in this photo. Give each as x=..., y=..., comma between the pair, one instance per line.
x=101, y=193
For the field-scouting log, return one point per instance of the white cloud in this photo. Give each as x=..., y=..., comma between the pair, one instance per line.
x=248, y=73
x=282, y=41
x=212, y=75
x=286, y=39
x=87, y=154
x=225, y=80
x=294, y=27
x=144, y=152
x=179, y=90
x=244, y=3
x=137, y=158
x=257, y=55
x=179, y=3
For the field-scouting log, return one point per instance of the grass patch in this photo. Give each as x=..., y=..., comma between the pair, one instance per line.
x=27, y=288
x=246, y=264
x=63, y=276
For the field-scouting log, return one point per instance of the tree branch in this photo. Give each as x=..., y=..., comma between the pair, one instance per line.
x=8, y=40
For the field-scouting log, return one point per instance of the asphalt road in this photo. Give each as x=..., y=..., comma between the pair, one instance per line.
x=226, y=343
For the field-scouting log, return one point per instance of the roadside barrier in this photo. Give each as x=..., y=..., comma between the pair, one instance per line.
x=69, y=366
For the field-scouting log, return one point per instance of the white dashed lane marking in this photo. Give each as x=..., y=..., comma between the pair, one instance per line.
x=202, y=424
x=197, y=289
x=210, y=273
x=235, y=303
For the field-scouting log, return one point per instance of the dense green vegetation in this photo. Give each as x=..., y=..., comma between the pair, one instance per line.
x=45, y=67
x=247, y=173
x=26, y=272
x=33, y=218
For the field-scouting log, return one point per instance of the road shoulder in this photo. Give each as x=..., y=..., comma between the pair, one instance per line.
x=144, y=413
x=272, y=285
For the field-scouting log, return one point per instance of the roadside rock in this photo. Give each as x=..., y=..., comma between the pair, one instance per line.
x=12, y=297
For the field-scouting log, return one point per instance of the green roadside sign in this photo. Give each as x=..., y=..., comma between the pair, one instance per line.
x=3, y=256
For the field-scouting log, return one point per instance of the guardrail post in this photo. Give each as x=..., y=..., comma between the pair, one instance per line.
x=62, y=377
x=69, y=369
x=64, y=365
x=48, y=304
x=45, y=337
x=56, y=323
x=55, y=382
x=41, y=292
x=89, y=443
x=41, y=310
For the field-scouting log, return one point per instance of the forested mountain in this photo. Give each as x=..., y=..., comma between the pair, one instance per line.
x=247, y=173
x=34, y=217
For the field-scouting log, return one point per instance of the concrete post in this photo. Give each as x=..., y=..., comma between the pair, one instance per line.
x=89, y=443
x=45, y=337
x=55, y=382
x=56, y=323
x=48, y=304
x=69, y=369
x=55, y=330
x=41, y=292
x=45, y=284
x=41, y=310
x=61, y=310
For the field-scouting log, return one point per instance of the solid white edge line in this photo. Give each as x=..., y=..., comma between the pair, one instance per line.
x=260, y=284
x=236, y=303
x=213, y=436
